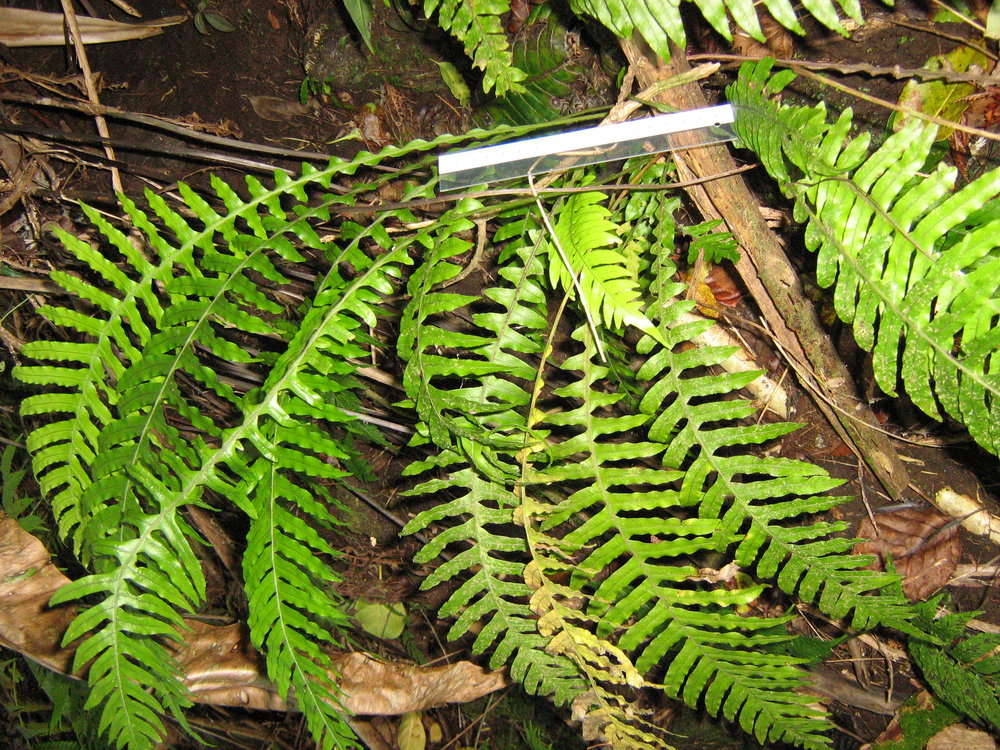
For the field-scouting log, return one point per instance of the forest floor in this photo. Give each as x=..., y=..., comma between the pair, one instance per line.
x=244, y=86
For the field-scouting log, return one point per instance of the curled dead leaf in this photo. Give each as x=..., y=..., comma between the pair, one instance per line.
x=35, y=28
x=216, y=662
x=923, y=545
x=960, y=737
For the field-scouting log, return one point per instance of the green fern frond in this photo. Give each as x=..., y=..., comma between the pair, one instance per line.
x=121, y=471
x=495, y=592
x=629, y=532
x=476, y=24
x=913, y=265
x=660, y=22
x=292, y=614
x=479, y=415
x=615, y=502
x=584, y=235
x=478, y=463
x=963, y=671
x=541, y=51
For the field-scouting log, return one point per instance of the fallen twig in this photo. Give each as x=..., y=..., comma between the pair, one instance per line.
x=88, y=77
x=894, y=71
x=973, y=517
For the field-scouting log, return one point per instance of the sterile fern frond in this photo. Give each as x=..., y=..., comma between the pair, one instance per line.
x=139, y=446
x=629, y=533
x=476, y=24
x=914, y=261
x=618, y=494
x=584, y=236
x=481, y=413
x=660, y=22
x=479, y=463
x=495, y=592
x=541, y=50
x=292, y=615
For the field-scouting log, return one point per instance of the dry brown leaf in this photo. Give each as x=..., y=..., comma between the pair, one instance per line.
x=778, y=41
x=960, y=737
x=35, y=28
x=276, y=109
x=375, y=687
x=216, y=662
x=973, y=516
x=923, y=544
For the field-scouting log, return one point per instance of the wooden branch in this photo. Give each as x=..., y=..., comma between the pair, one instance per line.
x=771, y=279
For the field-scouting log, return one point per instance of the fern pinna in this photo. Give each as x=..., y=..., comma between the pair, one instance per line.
x=913, y=262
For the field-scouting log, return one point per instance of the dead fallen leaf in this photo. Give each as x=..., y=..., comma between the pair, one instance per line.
x=36, y=28
x=276, y=109
x=971, y=513
x=923, y=546
x=960, y=737
x=216, y=662
x=778, y=41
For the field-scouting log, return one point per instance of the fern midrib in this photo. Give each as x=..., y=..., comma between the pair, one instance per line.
x=290, y=653
x=144, y=285
x=269, y=406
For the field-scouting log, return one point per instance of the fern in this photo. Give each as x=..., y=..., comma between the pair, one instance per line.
x=614, y=502
x=476, y=24
x=573, y=495
x=660, y=23
x=913, y=260
x=542, y=51
x=138, y=446
x=962, y=671
x=496, y=592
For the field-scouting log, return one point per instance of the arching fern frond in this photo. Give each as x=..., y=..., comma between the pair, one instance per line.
x=493, y=372
x=625, y=524
x=659, y=22
x=913, y=261
x=139, y=446
x=495, y=592
x=584, y=236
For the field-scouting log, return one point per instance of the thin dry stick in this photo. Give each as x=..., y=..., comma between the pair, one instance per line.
x=827, y=81
x=951, y=9
x=127, y=8
x=88, y=78
x=894, y=71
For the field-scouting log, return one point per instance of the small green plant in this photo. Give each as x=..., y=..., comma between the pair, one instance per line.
x=312, y=87
x=962, y=670
x=15, y=504
x=206, y=19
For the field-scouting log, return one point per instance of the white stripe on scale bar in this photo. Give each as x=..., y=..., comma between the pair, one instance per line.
x=575, y=140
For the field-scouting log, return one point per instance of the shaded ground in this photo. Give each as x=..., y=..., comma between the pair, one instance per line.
x=245, y=85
